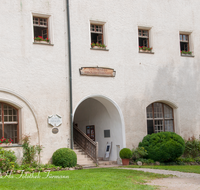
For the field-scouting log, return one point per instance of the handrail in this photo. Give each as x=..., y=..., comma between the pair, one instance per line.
x=87, y=144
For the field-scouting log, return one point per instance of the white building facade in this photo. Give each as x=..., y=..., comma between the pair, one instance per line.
x=113, y=109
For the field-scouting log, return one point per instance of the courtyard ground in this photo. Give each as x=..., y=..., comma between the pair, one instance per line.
x=179, y=181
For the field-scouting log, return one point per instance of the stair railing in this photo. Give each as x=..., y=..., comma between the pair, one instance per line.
x=89, y=146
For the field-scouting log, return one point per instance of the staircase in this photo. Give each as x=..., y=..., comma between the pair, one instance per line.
x=83, y=159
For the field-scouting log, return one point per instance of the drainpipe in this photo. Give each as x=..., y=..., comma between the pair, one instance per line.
x=70, y=73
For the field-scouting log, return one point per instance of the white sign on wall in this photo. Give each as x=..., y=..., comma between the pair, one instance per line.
x=55, y=120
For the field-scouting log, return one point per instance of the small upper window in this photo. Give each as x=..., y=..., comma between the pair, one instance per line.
x=144, y=41
x=184, y=45
x=40, y=28
x=159, y=118
x=97, y=38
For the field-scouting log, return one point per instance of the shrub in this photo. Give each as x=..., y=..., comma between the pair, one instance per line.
x=29, y=151
x=139, y=152
x=164, y=146
x=64, y=157
x=7, y=160
x=125, y=153
x=192, y=148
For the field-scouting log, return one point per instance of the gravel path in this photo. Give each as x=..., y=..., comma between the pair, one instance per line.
x=183, y=181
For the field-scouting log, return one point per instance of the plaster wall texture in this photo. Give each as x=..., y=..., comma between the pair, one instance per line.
x=35, y=75
x=93, y=112
x=34, y=78
x=141, y=79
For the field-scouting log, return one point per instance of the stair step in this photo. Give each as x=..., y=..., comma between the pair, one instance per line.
x=82, y=158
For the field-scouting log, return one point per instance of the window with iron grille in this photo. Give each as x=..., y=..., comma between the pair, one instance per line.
x=9, y=122
x=159, y=118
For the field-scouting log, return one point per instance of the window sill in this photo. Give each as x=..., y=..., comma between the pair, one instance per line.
x=11, y=146
x=46, y=44
x=186, y=55
x=101, y=49
x=146, y=52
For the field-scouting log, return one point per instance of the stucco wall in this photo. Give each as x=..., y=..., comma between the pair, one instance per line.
x=37, y=73
x=34, y=77
x=140, y=78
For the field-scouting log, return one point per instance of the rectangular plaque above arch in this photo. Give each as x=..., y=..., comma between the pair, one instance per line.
x=97, y=71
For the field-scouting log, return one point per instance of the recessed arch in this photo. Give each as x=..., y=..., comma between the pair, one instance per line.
x=19, y=106
x=106, y=110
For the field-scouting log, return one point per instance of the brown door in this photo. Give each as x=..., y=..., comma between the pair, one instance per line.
x=90, y=131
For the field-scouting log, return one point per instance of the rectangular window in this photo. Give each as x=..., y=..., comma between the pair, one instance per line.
x=184, y=42
x=40, y=30
x=106, y=133
x=96, y=33
x=97, y=36
x=143, y=38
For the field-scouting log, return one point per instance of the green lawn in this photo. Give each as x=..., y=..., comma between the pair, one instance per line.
x=186, y=168
x=98, y=178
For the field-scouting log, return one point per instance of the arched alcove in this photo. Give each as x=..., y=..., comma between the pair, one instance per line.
x=104, y=114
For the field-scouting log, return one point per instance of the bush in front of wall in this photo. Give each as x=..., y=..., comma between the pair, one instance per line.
x=139, y=152
x=163, y=146
x=30, y=152
x=7, y=159
x=192, y=148
x=64, y=157
x=125, y=153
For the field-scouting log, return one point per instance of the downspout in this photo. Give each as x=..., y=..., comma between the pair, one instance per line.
x=70, y=73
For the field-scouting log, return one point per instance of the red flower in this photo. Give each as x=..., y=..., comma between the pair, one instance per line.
x=12, y=140
x=9, y=142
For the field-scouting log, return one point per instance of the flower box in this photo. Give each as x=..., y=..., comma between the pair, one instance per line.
x=186, y=53
x=41, y=42
x=98, y=46
x=145, y=49
x=5, y=144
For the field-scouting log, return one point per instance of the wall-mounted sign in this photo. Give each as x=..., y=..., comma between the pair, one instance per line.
x=97, y=71
x=55, y=130
x=55, y=120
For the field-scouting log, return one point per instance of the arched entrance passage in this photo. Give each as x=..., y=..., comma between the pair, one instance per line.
x=104, y=114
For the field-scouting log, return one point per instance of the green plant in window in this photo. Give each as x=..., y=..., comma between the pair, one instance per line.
x=186, y=52
x=5, y=141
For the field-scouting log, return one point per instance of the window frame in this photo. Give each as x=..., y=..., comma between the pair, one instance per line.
x=104, y=35
x=162, y=119
x=49, y=28
x=3, y=122
x=185, y=41
x=145, y=37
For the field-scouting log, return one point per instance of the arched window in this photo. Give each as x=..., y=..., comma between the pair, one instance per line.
x=159, y=118
x=9, y=122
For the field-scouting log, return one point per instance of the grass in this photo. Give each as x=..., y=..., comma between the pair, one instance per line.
x=100, y=178
x=181, y=168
